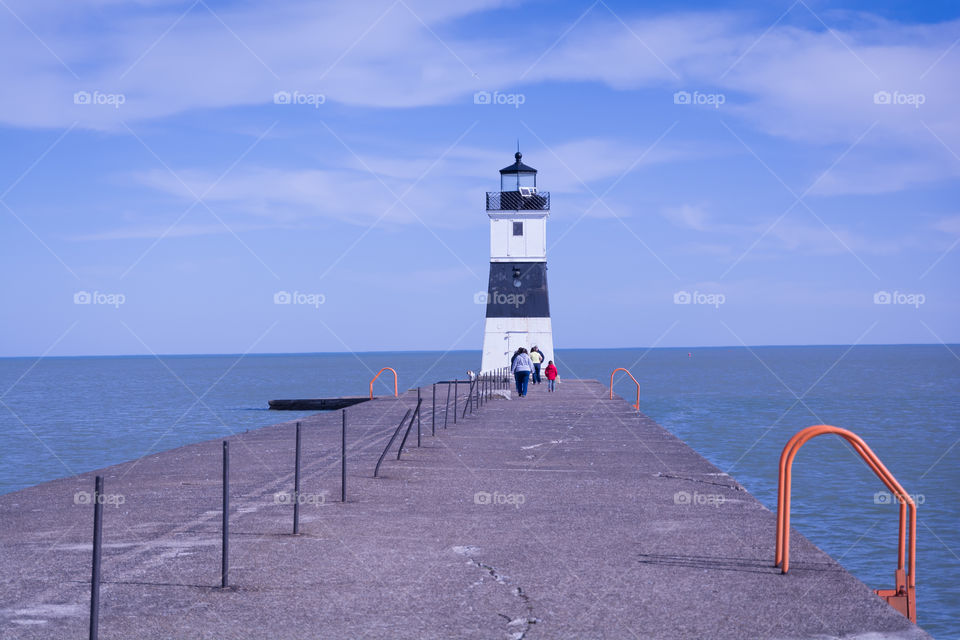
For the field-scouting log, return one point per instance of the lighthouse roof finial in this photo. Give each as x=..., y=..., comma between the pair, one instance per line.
x=518, y=167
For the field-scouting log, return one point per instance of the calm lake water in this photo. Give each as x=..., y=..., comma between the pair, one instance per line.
x=736, y=406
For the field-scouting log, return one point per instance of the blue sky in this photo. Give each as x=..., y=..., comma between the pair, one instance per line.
x=806, y=193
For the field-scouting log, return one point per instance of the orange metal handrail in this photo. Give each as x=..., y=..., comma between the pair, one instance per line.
x=635, y=406
x=395, y=392
x=903, y=597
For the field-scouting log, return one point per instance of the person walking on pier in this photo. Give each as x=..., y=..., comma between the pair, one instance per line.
x=521, y=368
x=536, y=357
x=551, y=372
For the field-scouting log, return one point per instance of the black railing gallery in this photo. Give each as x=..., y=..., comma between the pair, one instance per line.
x=517, y=201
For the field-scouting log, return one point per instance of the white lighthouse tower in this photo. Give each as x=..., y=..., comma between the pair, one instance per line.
x=518, y=308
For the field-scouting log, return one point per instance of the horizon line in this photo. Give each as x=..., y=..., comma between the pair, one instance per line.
x=315, y=353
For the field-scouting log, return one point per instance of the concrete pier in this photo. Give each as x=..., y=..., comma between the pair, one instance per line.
x=563, y=515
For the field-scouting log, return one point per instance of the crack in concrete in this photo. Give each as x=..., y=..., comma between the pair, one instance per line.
x=525, y=621
x=560, y=441
x=735, y=486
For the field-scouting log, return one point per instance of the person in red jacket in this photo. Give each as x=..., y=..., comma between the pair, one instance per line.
x=551, y=376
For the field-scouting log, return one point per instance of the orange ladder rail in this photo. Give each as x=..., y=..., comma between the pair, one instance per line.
x=903, y=597
x=395, y=392
x=635, y=406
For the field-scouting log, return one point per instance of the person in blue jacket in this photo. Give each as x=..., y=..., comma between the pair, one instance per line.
x=521, y=368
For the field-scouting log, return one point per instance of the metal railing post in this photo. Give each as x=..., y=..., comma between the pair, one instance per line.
x=468, y=404
x=97, y=554
x=296, y=485
x=343, y=456
x=446, y=406
x=225, y=524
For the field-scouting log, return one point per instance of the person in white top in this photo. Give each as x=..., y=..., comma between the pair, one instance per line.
x=537, y=358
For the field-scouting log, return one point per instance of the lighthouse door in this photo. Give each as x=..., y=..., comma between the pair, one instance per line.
x=515, y=340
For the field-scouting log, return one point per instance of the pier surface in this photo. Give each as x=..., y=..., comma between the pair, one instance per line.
x=563, y=515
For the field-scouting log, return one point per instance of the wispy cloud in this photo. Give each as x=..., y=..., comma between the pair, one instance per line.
x=154, y=231
x=259, y=197
x=796, y=82
x=798, y=234
x=948, y=224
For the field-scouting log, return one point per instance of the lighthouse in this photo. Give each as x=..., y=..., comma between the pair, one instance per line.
x=518, y=308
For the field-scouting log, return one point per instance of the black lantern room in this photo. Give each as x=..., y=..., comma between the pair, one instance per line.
x=517, y=175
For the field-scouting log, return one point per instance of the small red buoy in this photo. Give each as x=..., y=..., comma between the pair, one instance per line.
x=689, y=355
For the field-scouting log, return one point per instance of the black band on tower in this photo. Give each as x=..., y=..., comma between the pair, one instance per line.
x=528, y=300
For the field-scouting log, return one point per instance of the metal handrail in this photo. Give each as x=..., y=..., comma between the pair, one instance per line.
x=416, y=414
x=635, y=406
x=396, y=431
x=395, y=393
x=903, y=597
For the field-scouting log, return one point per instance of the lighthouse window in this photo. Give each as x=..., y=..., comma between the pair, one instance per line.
x=518, y=228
